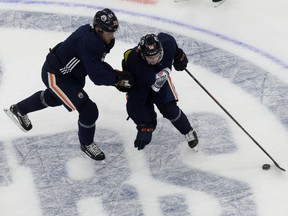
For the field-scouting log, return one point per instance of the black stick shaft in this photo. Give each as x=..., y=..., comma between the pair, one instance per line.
x=236, y=122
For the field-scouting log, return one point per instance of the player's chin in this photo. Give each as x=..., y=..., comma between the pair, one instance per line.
x=107, y=42
x=152, y=63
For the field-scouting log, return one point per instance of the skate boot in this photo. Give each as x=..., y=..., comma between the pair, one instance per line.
x=22, y=121
x=192, y=139
x=217, y=3
x=93, y=151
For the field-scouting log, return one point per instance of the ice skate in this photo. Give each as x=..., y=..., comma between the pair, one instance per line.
x=93, y=151
x=22, y=121
x=192, y=139
x=217, y=3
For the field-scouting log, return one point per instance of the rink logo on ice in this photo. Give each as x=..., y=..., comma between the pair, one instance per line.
x=5, y=177
x=64, y=176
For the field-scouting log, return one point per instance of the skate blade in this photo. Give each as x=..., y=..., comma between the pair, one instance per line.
x=195, y=149
x=103, y=162
x=12, y=117
x=217, y=4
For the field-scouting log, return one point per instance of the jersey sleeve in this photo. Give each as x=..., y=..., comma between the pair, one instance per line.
x=93, y=56
x=169, y=47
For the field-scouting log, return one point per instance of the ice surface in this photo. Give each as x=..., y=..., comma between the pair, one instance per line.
x=241, y=59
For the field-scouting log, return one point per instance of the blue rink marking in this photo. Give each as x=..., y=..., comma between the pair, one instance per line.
x=5, y=175
x=161, y=19
x=59, y=195
x=46, y=157
x=269, y=90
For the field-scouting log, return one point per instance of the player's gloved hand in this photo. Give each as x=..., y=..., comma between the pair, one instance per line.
x=124, y=80
x=161, y=78
x=144, y=136
x=180, y=60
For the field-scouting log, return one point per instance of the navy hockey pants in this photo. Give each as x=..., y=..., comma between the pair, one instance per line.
x=64, y=90
x=142, y=111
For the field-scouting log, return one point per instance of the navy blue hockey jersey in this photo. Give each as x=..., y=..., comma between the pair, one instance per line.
x=143, y=73
x=141, y=95
x=82, y=54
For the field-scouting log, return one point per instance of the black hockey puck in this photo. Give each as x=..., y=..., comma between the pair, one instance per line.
x=266, y=166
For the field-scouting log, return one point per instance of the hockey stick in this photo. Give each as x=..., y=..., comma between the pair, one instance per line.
x=239, y=125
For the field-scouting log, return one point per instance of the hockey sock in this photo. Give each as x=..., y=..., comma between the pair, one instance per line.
x=30, y=104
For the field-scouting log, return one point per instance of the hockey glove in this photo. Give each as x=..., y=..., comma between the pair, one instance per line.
x=180, y=60
x=161, y=78
x=124, y=80
x=143, y=137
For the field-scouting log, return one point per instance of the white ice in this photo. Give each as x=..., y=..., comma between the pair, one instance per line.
x=255, y=31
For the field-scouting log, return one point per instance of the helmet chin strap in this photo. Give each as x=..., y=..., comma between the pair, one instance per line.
x=158, y=60
x=161, y=56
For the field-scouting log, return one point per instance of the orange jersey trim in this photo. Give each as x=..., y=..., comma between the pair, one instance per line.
x=172, y=88
x=60, y=94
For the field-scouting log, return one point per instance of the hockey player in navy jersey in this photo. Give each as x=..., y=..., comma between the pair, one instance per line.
x=151, y=63
x=64, y=71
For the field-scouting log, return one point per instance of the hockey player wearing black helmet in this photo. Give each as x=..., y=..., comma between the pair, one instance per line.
x=64, y=72
x=151, y=49
x=151, y=62
x=106, y=23
x=106, y=20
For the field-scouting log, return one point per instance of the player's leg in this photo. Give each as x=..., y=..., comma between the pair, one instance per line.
x=166, y=102
x=38, y=101
x=33, y=103
x=73, y=97
x=88, y=114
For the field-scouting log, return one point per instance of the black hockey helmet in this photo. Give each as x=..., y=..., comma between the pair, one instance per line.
x=150, y=45
x=106, y=20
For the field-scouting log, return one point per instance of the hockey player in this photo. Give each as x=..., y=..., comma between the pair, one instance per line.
x=151, y=63
x=64, y=73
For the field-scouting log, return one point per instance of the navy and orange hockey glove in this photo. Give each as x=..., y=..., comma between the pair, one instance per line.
x=180, y=60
